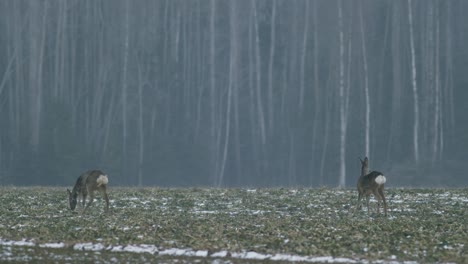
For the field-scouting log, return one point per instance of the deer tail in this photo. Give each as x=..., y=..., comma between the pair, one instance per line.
x=102, y=180
x=380, y=179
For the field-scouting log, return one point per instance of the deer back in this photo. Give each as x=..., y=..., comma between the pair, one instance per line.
x=96, y=179
x=371, y=181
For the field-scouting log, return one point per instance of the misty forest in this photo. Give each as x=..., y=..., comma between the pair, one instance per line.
x=233, y=93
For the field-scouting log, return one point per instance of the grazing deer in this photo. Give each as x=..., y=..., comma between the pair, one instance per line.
x=371, y=183
x=87, y=183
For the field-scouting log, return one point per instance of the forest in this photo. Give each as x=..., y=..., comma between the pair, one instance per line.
x=219, y=93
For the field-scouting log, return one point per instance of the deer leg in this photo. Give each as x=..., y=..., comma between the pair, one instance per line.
x=383, y=198
x=359, y=204
x=367, y=202
x=91, y=199
x=83, y=196
x=377, y=196
x=106, y=197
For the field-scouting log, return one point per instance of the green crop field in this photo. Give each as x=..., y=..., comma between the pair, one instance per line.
x=234, y=226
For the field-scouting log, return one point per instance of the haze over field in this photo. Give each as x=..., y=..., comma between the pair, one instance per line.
x=229, y=225
x=233, y=93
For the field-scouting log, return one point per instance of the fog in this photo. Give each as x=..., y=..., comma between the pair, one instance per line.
x=267, y=93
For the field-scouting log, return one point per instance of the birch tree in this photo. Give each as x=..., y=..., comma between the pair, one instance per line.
x=366, y=86
x=126, y=41
x=270, y=65
x=342, y=100
x=231, y=83
x=38, y=15
x=414, y=86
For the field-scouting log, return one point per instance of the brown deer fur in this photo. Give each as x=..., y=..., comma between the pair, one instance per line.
x=87, y=183
x=371, y=183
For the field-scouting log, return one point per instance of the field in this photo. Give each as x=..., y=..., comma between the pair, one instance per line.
x=233, y=226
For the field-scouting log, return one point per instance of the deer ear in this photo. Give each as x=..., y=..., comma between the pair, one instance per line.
x=68, y=191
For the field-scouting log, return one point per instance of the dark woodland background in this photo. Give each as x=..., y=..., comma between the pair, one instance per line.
x=233, y=93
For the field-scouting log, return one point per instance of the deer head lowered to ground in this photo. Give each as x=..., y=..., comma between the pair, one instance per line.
x=87, y=183
x=371, y=183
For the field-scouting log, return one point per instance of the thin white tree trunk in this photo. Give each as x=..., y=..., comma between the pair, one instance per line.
x=213, y=134
x=37, y=54
x=437, y=112
x=342, y=173
x=232, y=79
x=414, y=85
x=261, y=116
x=140, y=130
x=125, y=86
x=270, y=65
x=366, y=88
x=303, y=57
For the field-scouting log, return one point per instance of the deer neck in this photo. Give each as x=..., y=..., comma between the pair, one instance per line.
x=79, y=185
x=364, y=170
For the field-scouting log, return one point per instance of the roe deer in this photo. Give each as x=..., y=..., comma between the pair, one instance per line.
x=87, y=183
x=371, y=183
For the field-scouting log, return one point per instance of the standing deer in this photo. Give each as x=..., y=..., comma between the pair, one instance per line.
x=371, y=183
x=87, y=183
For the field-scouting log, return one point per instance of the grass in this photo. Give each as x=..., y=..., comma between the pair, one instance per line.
x=424, y=225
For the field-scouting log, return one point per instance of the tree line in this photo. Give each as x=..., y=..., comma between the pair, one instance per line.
x=232, y=93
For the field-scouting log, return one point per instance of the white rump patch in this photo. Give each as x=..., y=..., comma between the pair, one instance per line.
x=102, y=180
x=380, y=179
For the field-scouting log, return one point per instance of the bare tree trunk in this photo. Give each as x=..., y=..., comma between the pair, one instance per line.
x=395, y=126
x=415, y=88
x=448, y=119
x=59, y=42
x=252, y=94
x=436, y=152
x=316, y=89
x=213, y=98
x=7, y=73
x=342, y=99
x=232, y=73
x=303, y=56
x=292, y=161
x=141, y=149
x=326, y=131
x=125, y=87
x=366, y=87
x=38, y=30
x=270, y=65
x=261, y=118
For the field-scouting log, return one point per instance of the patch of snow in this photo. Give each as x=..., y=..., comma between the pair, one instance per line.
x=16, y=243
x=220, y=254
x=88, y=246
x=152, y=249
x=52, y=245
x=448, y=247
x=205, y=212
x=250, y=255
x=143, y=248
x=461, y=199
x=174, y=252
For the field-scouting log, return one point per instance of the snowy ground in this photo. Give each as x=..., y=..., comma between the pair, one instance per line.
x=234, y=226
